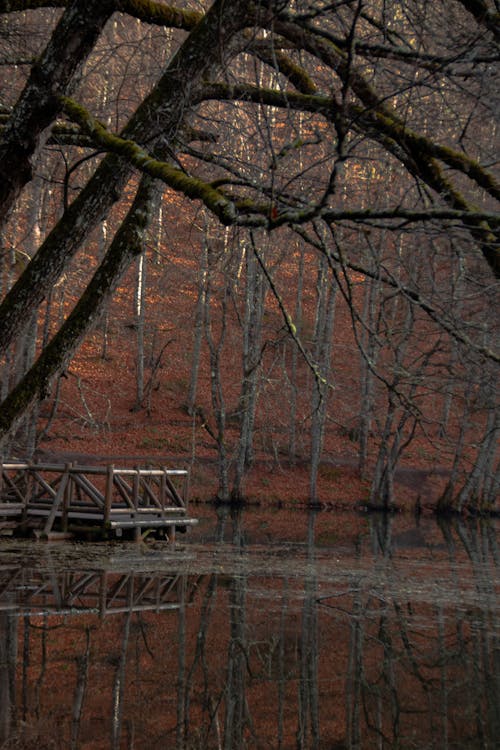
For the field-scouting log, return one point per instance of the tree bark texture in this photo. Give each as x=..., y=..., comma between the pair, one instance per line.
x=74, y=38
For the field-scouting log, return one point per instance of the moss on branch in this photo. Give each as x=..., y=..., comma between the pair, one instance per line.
x=295, y=73
x=159, y=14
x=317, y=103
x=423, y=153
x=425, y=148
x=175, y=178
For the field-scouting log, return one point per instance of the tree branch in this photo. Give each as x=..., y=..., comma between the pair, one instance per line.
x=159, y=14
x=175, y=178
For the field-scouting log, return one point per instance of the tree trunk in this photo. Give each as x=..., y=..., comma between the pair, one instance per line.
x=369, y=354
x=51, y=76
x=482, y=476
x=139, y=304
x=36, y=384
x=252, y=344
x=294, y=355
x=326, y=290
x=217, y=392
x=199, y=317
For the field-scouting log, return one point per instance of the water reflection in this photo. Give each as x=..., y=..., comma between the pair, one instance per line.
x=387, y=640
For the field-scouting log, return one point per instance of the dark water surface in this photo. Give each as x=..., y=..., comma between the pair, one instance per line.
x=291, y=630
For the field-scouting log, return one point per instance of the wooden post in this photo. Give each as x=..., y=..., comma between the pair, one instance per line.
x=185, y=490
x=56, y=503
x=162, y=490
x=135, y=497
x=67, y=498
x=108, y=498
x=135, y=500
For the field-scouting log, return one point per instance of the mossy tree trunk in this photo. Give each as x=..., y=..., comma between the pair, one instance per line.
x=36, y=383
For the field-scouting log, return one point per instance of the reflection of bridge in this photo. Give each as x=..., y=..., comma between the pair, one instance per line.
x=73, y=497
x=103, y=592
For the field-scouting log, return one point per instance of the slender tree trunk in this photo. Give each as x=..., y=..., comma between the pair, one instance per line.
x=326, y=290
x=472, y=494
x=446, y=501
x=215, y=348
x=104, y=326
x=368, y=361
x=199, y=323
x=382, y=488
x=252, y=344
x=294, y=355
x=140, y=314
x=25, y=439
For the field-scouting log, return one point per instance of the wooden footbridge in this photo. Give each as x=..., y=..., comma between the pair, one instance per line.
x=72, y=498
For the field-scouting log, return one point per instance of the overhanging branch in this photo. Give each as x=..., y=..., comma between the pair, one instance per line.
x=175, y=178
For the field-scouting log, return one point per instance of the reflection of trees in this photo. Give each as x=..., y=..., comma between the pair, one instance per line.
x=261, y=668
x=8, y=653
x=59, y=662
x=418, y=668
x=269, y=647
x=237, y=711
x=189, y=686
x=79, y=694
x=232, y=694
x=483, y=653
x=355, y=669
x=308, y=718
x=119, y=686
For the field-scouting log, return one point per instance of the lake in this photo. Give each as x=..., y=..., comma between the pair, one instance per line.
x=277, y=628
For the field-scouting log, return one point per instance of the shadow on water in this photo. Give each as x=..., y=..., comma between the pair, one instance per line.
x=386, y=637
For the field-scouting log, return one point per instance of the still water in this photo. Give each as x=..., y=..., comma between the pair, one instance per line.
x=271, y=630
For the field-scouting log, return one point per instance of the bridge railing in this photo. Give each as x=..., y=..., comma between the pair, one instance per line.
x=108, y=494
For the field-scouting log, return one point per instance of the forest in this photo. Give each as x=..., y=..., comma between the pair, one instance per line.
x=261, y=231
